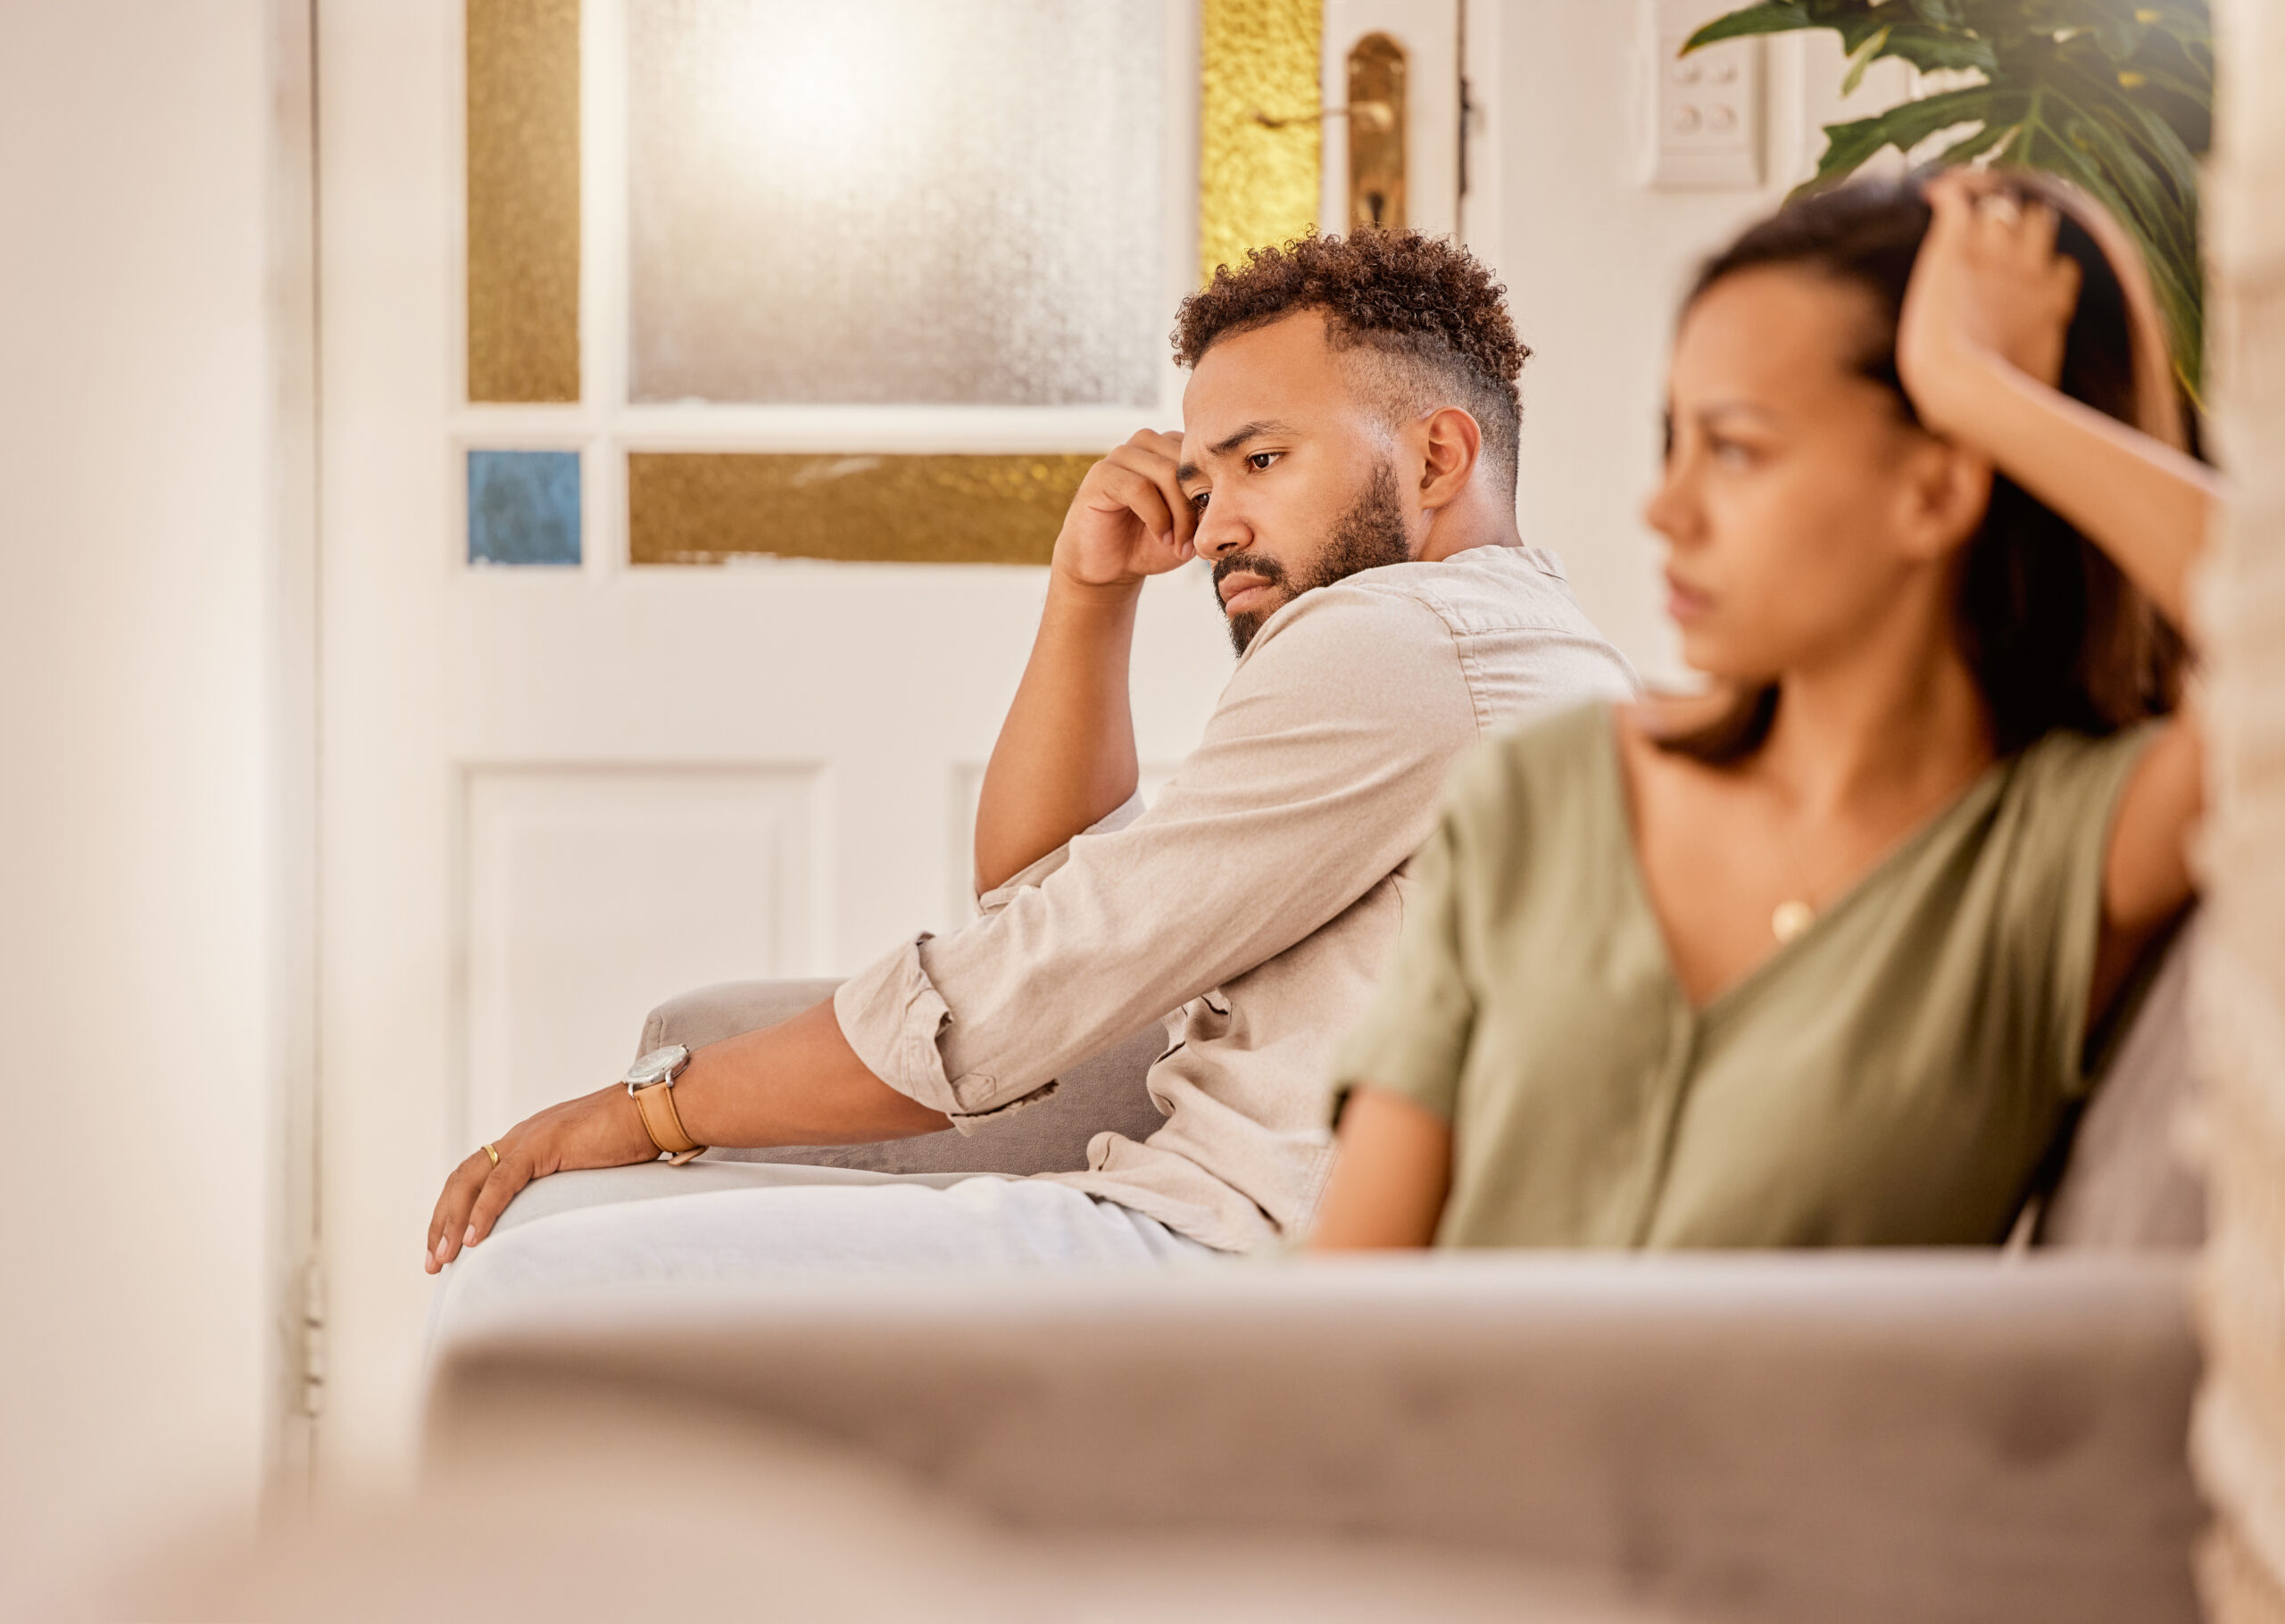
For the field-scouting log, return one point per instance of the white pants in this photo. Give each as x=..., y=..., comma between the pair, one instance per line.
x=652, y=1225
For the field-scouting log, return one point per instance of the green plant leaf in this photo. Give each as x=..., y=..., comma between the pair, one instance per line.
x=2102, y=165
x=2166, y=80
x=1933, y=53
x=1991, y=135
x=1862, y=60
x=1847, y=146
x=1948, y=15
x=1778, y=17
x=2158, y=140
x=1931, y=47
x=1907, y=125
x=2120, y=38
x=2114, y=96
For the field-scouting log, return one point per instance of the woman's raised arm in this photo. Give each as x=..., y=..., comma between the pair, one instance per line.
x=1979, y=349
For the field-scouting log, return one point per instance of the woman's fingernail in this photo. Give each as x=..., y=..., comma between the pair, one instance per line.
x=443, y=1242
x=469, y=1239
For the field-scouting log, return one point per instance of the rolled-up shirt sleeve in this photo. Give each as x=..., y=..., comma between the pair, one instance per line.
x=1316, y=777
x=893, y=1014
x=992, y=901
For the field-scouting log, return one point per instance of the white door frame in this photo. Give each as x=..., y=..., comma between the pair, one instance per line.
x=296, y=1286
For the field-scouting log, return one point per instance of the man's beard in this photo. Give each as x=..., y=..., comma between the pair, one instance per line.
x=1371, y=534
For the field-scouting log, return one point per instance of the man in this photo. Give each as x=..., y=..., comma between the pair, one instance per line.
x=1347, y=466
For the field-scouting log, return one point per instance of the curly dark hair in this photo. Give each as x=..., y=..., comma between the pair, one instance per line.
x=1426, y=307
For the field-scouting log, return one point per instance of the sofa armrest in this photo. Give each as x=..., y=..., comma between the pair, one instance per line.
x=711, y=1014
x=1105, y=1094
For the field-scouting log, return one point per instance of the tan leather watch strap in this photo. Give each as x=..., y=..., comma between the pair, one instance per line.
x=663, y=1123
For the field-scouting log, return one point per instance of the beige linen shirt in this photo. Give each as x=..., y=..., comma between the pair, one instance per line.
x=1257, y=900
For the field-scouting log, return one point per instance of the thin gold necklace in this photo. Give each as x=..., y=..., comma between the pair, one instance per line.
x=1790, y=918
x=1796, y=913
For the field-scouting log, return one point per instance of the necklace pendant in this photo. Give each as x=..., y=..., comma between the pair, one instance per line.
x=1791, y=919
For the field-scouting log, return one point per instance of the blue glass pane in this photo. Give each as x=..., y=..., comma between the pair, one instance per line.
x=523, y=507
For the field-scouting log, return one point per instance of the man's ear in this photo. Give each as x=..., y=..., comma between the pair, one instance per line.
x=1948, y=491
x=1448, y=461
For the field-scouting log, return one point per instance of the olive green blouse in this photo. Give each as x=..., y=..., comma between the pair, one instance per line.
x=1894, y=1075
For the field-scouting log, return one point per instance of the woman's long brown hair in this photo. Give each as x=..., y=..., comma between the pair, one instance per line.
x=2055, y=636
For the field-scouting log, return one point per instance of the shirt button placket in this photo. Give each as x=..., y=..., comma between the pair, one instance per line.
x=1667, y=1094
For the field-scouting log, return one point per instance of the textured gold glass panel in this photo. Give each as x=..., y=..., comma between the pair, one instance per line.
x=1259, y=150
x=705, y=507
x=1377, y=111
x=523, y=200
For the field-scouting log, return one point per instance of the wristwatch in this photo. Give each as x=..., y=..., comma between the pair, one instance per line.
x=651, y=1082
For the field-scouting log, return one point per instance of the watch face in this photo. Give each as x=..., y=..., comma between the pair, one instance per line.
x=658, y=1065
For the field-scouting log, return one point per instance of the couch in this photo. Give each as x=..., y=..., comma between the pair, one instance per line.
x=1973, y=1435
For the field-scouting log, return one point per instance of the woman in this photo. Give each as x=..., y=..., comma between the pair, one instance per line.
x=1815, y=959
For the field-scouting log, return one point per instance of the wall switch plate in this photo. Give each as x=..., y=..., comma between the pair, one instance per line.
x=1704, y=110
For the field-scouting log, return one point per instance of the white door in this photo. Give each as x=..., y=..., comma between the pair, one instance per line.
x=561, y=785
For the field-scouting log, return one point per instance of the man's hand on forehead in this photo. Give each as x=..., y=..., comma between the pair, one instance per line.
x=1130, y=519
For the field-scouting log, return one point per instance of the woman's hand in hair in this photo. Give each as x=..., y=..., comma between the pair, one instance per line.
x=1979, y=347
x=1987, y=286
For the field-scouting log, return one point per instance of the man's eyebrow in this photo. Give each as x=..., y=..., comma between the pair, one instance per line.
x=1254, y=430
x=1229, y=443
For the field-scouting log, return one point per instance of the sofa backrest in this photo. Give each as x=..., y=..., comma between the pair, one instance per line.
x=2126, y=1184
x=1105, y=1094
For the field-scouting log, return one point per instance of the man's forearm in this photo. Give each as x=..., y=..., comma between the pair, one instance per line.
x=795, y=1083
x=1066, y=755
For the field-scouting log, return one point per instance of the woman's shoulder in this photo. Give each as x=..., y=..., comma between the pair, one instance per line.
x=1597, y=731
x=1562, y=733
x=2064, y=764
x=1549, y=754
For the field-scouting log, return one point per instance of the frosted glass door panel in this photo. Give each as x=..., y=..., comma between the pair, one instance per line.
x=896, y=200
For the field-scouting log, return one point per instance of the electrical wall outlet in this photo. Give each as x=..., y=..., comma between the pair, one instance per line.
x=1704, y=110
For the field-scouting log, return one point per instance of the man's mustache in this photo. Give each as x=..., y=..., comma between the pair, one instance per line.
x=1251, y=563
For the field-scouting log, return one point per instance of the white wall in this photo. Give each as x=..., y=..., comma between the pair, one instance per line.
x=135, y=886
x=1594, y=263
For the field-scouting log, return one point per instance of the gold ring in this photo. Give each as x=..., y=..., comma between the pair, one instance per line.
x=493, y=1153
x=2001, y=207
